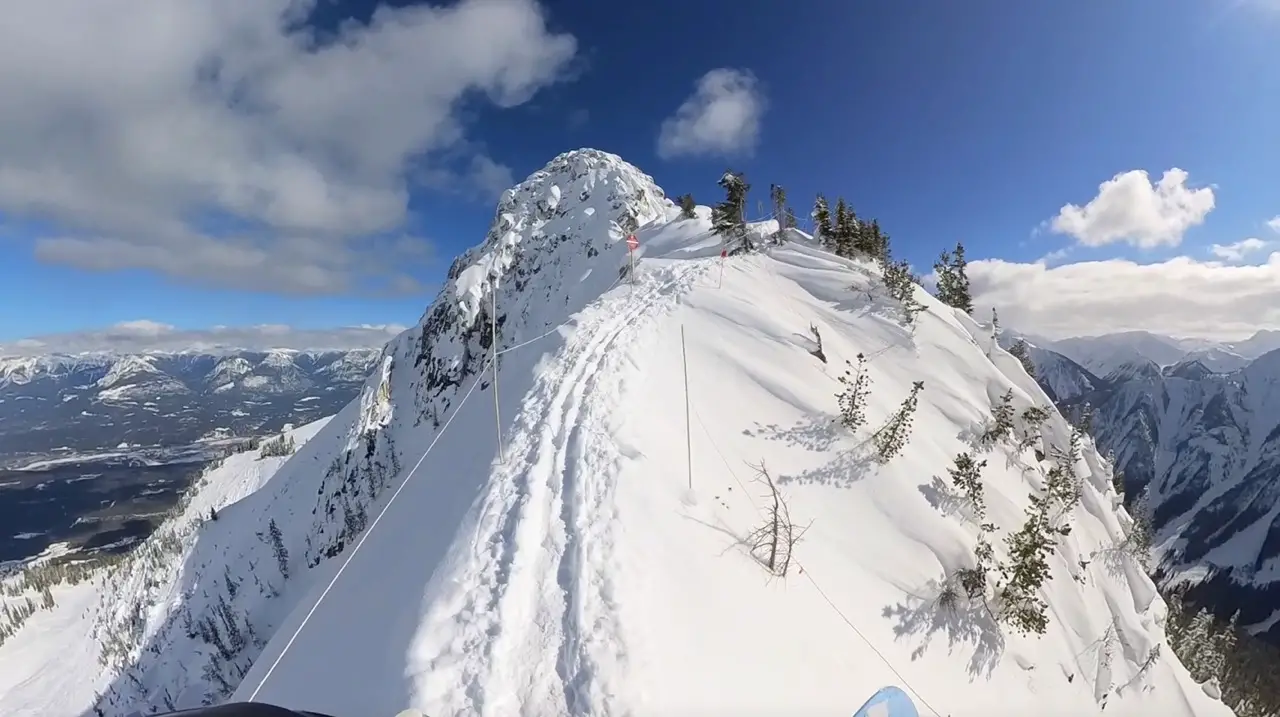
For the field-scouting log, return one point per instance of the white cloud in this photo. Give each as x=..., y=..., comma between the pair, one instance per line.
x=1129, y=208
x=722, y=117
x=1239, y=250
x=1274, y=223
x=1178, y=297
x=218, y=143
x=145, y=335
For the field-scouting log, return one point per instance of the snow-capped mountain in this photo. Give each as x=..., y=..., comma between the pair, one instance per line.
x=92, y=401
x=571, y=532
x=1108, y=352
x=1208, y=445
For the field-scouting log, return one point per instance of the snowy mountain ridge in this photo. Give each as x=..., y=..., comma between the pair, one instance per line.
x=20, y=370
x=1207, y=445
x=594, y=557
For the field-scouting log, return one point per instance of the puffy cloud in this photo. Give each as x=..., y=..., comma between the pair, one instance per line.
x=146, y=335
x=1130, y=208
x=1274, y=223
x=1178, y=297
x=1239, y=250
x=222, y=143
x=722, y=117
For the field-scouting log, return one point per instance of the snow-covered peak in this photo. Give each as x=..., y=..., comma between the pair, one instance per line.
x=1192, y=369
x=229, y=369
x=129, y=368
x=279, y=358
x=581, y=203
x=24, y=369
x=1134, y=369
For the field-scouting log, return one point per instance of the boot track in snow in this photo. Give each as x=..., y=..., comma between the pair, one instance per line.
x=538, y=615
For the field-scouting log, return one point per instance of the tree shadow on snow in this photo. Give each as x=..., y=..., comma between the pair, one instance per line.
x=817, y=433
x=848, y=467
x=963, y=623
x=944, y=498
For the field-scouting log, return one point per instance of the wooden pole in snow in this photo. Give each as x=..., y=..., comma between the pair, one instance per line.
x=493, y=339
x=688, y=429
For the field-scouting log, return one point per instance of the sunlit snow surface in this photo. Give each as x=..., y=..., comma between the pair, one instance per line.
x=572, y=572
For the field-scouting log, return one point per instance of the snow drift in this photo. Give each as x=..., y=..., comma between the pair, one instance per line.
x=591, y=561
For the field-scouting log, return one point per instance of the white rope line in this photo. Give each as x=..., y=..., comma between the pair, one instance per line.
x=369, y=531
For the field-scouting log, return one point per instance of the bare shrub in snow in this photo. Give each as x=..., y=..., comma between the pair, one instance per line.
x=817, y=338
x=774, y=541
x=892, y=436
x=853, y=399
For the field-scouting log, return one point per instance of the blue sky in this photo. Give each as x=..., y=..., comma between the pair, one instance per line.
x=946, y=121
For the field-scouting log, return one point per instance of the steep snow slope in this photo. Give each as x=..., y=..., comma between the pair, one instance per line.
x=579, y=565
x=52, y=665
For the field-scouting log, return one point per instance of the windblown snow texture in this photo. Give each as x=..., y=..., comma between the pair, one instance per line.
x=570, y=569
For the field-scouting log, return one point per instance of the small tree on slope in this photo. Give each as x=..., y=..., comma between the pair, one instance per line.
x=728, y=217
x=853, y=399
x=902, y=287
x=892, y=437
x=844, y=229
x=1027, y=570
x=953, y=280
x=1019, y=351
x=687, y=207
x=778, y=197
x=822, y=224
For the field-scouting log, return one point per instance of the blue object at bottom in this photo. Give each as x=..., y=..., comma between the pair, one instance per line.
x=888, y=702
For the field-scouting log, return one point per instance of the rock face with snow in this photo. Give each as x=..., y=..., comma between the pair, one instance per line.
x=548, y=543
x=1207, y=445
x=91, y=401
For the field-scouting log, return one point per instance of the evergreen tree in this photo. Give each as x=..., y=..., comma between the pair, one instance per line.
x=868, y=239
x=728, y=217
x=1202, y=660
x=778, y=197
x=822, y=224
x=687, y=206
x=844, y=229
x=853, y=399
x=1020, y=352
x=892, y=437
x=790, y=219
x=953, y=280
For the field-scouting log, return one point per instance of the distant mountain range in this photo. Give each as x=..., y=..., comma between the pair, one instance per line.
x=59, y=404
x=1197, y=424
x=1106, y=353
